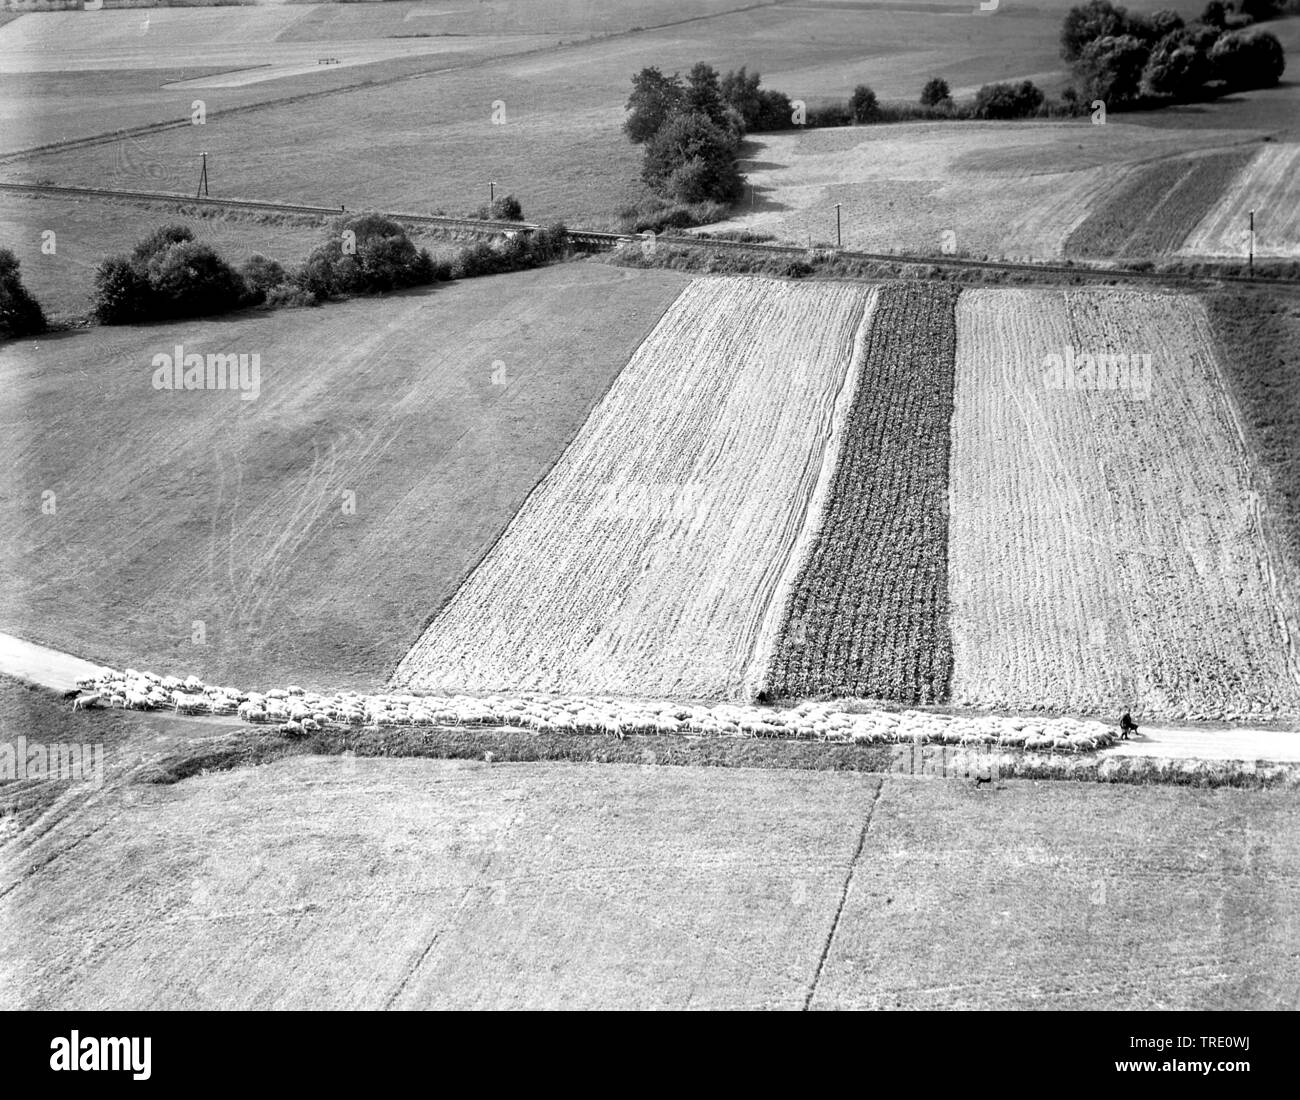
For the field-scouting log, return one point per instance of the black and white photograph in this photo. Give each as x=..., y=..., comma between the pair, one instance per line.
x=650, y=505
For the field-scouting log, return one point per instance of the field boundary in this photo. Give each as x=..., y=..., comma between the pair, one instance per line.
x=602, y=241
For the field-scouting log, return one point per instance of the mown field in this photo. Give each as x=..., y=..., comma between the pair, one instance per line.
x=430, y=415
x=567, y=886
x=1148, y=215
x=1267, y=185
x=651, y=558
x=1015, y=190
x=1106, y=542
x=868, y=614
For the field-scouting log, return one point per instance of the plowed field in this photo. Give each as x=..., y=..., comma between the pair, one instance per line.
x=1105, y=542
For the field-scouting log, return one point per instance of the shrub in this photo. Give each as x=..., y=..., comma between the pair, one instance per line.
x=1001, y=101
x=290, y=295
x=383, y=259
x=474, y=260
x=1248, y=59
x=657, y=215
x=122, y=293
x=863, y=104
x=835, y=114
x=935, y=92
x=262, y=274
x=160, y=240
x=20, y=313
x=504, y=209
x=188, y=279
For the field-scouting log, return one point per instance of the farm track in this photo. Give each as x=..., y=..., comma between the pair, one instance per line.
x=868, y=615
x=594, y=240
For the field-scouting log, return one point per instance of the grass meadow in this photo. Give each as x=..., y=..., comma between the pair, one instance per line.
x=437, y=411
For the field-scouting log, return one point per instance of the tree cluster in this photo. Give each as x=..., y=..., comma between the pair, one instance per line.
x=1122, y=58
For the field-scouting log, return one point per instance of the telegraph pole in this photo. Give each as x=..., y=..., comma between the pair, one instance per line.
x=1252, y=242
x=838, y=242
x=203, y=178
x=492, y=191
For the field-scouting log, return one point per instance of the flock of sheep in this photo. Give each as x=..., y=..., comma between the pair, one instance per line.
x=296, y=712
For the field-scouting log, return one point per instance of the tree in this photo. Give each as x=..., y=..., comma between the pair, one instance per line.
x=20, y=314
x=654, y=97
x=935, y=92
x=704, y=93
x=1111, y=69
x=1175, y=68
x=775, y=111
x=1216, y=14
x=1007, y=100
x=863, y=104
x=1248, y=59
x=1262, y=10
x=740, y=90
x=1088, y=22
x=692, y=159
x=1165, y=21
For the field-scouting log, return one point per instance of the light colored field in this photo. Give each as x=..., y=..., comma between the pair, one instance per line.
x=1269, y=185
x=647, y=561
x=1105, y=548
x=1067, y=896
x=343, y=883
x=998, y=189
x=181, y=507
x=415, y=884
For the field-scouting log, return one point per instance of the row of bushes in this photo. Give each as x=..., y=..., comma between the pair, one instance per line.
x=170, y=275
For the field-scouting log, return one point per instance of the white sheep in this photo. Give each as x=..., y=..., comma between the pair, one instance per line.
x=87, y=700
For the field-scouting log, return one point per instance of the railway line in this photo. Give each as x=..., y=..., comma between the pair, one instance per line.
x=596, y=240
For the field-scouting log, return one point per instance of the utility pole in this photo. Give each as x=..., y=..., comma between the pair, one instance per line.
x=203, y=178
x=1252, y=242
x=492, y=191
x=838, y=242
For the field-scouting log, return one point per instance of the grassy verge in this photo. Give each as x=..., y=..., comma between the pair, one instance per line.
x=251, y=746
